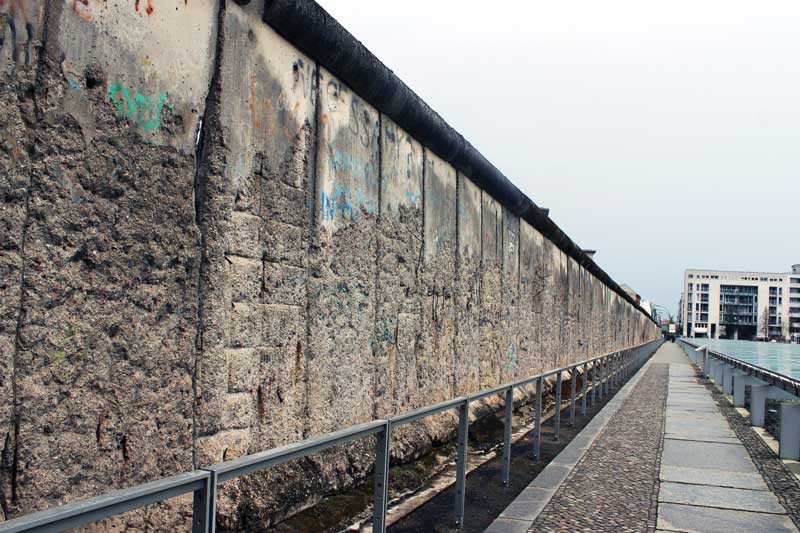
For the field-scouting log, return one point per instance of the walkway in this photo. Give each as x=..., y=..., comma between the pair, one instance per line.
x=665, y=459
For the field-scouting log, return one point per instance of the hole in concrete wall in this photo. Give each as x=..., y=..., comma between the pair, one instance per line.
x=94, y=77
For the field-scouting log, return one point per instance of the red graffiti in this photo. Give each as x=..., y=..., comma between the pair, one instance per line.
x=148, y=9
x=79, y=11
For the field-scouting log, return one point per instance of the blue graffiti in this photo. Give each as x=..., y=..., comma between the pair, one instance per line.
x=413, y=198
x=346, y=202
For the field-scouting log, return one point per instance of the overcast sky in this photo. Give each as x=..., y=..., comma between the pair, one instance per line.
x=665, y=135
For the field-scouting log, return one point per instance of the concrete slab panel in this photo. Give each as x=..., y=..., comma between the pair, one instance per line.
x=719, y=478
x=686, y=398
x=702, y=438
x=683, y=413
x=709, y=455
x=690, y=409
x=701, y=427
x=720, y=497
x=691, y=519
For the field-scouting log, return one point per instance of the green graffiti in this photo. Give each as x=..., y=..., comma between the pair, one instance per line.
x=140, y=108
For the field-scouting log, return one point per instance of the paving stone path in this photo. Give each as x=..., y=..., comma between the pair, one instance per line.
x=672, y=456
x=614, y=486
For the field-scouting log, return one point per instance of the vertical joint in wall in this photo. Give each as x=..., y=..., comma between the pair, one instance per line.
x=313, y=188
x=208, y=125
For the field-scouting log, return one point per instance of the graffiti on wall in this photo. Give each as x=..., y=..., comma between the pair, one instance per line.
x=14, y=20
x=82, y=8
x=274, y=116
x=137, y=107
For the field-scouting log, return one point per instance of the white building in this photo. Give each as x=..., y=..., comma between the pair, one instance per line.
x=741, y=305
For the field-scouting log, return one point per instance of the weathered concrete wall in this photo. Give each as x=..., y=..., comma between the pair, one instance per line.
x=100, y=267
x=211, y=246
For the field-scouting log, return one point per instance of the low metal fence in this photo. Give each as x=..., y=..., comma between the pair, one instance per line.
x=607, y=371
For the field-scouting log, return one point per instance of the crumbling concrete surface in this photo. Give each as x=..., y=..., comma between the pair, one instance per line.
x=211, y=246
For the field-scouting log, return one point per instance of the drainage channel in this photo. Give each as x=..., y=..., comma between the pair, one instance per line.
x=423, y=490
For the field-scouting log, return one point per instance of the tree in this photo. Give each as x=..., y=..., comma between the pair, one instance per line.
x=764, y=324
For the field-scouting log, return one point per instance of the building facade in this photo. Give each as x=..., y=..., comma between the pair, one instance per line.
x=724, y=304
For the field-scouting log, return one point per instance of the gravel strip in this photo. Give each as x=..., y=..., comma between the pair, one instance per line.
x=615, y=486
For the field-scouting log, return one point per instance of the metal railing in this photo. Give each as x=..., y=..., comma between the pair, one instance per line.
x=607, y=371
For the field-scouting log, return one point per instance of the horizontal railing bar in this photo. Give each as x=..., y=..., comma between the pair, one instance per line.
x=94, y=509
x=259, y=461
x=496, y=390
x=422, y=412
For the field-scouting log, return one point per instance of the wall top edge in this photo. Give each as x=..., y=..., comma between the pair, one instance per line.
x=306, y=25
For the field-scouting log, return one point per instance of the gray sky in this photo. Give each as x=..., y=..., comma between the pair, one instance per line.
x=665, y=135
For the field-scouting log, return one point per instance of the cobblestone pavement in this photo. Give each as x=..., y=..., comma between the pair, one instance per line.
x=615, y=485
x=778, y=478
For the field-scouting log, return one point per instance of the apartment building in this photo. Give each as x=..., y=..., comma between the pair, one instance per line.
x=741, y=305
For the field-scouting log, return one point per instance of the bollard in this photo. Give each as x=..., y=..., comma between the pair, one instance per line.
x=758, y=402
x=572, y=385
x=584, y=388
x=718, y=371
x=507, y=435
x=739, y=384
x=707, y=359
x=381, y=479
x=557, y=420
x=727, y=379
x=537, y=427
x=789, y=445
x=713, y=363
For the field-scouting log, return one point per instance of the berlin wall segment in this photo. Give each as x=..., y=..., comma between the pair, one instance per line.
x=222, y=249
x=100, y=267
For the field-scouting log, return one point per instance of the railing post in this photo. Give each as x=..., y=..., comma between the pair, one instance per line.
x=572, y=388
x=537, y=425
x=461, y=462
x=606, y=374
x=584, y=388
x=381, y=478
x=614, y=371
x=594, y=380
x=557, y=421
x=507, y=435
x=204, y=505
x=602, y=370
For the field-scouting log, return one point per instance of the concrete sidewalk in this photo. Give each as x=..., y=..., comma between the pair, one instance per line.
x=664, y=459
x=708, y=481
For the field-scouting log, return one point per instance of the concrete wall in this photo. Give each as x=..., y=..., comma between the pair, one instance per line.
x=212, y=246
